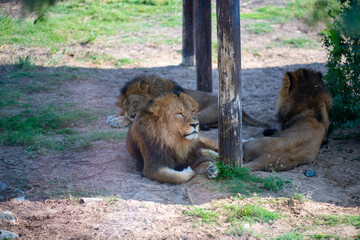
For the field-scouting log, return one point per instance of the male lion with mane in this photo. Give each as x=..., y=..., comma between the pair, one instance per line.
x=163, y=140
x=137, y=92
x=303, y=106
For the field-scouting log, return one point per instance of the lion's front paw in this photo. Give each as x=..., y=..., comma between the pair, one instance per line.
x=117, y=121
x=212, y=171
x=109, y=118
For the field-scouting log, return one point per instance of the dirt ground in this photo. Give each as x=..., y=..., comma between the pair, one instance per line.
x=146, y=209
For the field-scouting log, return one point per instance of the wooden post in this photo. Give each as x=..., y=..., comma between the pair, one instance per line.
x=188, y=33
x=229, y=67
x=203, y=44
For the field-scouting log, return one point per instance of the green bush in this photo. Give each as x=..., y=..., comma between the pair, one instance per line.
x=342, y=42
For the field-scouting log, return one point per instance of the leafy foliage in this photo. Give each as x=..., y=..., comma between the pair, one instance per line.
x=342, y=42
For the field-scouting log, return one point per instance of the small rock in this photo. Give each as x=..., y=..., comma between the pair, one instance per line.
x=310, y=173
x=5, y=234
x=2, y=186
x=21, y=197
x=7, y=216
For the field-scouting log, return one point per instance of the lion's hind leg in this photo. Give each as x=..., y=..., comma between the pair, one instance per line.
x=168, y=175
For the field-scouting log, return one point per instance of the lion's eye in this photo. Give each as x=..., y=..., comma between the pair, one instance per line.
x=135, y=104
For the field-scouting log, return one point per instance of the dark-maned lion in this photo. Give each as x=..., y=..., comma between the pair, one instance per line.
x=163, y=140
x=303, y=106
x=137, y=92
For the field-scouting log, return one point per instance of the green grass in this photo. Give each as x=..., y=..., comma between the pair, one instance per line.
x=207, y=216
x=236, y=229
x=259, y=28
x=335, y=220
x=24, y=63
x=291, y=236
x=28, y=118
x=86, y=21
x=239, y=219
x=324, y=236
x=294, y=9
x=235, y=214
x=300, y=197
x=123, y=61
x=29, y=127
x=48, y=128
x=296, y=43
x=240, y=180
x=97, y=58
x=5, y=23
x=85, y=141
x=9, y=97
x=250, y=213
x=267, y=12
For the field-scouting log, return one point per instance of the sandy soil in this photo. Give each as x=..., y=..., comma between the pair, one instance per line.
x=148, y=209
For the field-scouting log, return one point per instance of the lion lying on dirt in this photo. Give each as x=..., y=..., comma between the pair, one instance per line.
x=163, y=140
x=303, y=106
x=137, y=92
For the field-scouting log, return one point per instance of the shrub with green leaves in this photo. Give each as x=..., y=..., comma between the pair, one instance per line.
x=342, y=42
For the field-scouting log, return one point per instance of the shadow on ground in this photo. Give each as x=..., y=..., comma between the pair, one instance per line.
x=105, y=168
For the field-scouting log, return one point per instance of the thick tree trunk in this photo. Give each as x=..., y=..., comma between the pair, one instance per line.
x=229, y=66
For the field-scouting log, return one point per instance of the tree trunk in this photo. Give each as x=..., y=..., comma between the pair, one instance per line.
x=229, y=67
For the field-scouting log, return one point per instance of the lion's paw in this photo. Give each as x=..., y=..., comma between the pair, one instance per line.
x=118, y=121
x=109, y=118
x=212, y=171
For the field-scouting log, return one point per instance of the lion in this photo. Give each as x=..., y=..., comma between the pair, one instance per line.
x=137, y=92
x=302, y=109
x=163, y=140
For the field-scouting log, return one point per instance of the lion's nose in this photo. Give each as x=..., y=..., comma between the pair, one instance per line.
x=194, y=125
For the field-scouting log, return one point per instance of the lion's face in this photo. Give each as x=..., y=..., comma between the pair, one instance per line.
x=185, y=120
x=131, y=105
x=177, y=115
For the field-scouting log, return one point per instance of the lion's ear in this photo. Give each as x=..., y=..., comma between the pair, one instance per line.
x=288, y=81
